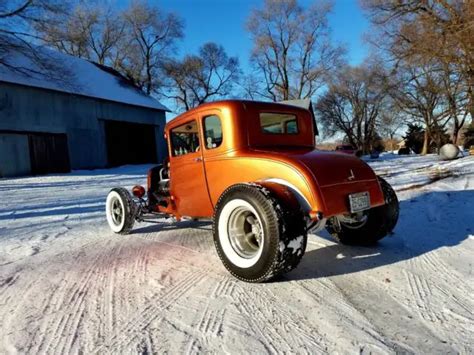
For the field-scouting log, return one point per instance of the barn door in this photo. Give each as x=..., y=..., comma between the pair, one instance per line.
x=48, y=153
x=130, y=143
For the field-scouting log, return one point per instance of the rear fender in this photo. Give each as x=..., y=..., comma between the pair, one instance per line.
x=290, y=197
x=287, y=194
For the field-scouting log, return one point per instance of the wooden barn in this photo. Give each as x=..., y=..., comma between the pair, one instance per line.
x=59, y=112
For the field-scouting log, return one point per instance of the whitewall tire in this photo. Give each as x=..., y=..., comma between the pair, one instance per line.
x=120, y=211
x=257, y=237
x=241, y=233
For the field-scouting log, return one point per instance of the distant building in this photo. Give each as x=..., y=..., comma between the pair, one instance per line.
x=73, y=114
x=402, y=144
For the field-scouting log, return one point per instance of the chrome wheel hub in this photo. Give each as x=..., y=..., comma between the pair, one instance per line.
x=116, y=212
x=245, y=232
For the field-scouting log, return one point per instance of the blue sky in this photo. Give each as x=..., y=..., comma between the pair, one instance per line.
x=223, y=22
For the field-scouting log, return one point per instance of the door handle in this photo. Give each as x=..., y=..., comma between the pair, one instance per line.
x=198, y=160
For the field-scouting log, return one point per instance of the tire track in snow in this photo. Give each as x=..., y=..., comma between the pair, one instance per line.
x=372, y=314
x=211, y=322
x=151, y=313
x=7, y=282
x=224, y=288
x=431, y=264
x=438, y=266
x=260, y=312
x=193, y=348
x=421, y=291
x=443, y=302
x=69, y=302
x=48, y=305
x=206, y=330
x=104, y=270
x=159, y=313
x=328, y=293
x=115, y=280
x=61, y=331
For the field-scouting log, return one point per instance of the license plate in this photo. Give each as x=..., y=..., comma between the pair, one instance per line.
x=359, y=201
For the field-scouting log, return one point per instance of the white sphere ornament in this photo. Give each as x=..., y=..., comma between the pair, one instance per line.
x=449, y=152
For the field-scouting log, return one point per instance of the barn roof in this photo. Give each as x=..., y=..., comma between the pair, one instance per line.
x=44, y=68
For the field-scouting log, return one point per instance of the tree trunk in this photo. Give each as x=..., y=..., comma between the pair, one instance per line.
x=470, y=103
x=471, y=109
x=426, y=141
x=456, y=130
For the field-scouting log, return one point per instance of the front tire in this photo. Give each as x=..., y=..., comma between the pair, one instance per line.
x=378, y=221
x=256, y=236
x=120, y=210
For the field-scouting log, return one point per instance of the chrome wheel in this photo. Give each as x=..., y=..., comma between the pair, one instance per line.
x=245, y=232
x=241, y=233
x=117, y=212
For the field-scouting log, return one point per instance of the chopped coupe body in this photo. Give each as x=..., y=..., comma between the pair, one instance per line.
x=252, y=168
x=321, y=180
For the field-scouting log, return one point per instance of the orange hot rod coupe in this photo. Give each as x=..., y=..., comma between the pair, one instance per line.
x=253, y=168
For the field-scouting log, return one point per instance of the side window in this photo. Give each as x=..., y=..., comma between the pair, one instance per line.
x=212, y=131
x=185, y=139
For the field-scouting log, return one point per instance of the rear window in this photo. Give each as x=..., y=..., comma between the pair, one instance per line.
x=278, y=123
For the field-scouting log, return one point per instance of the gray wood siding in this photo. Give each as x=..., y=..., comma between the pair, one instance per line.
x=28, y=109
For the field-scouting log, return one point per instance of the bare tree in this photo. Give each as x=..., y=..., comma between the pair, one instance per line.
x=353, y=103
x=151, y=40
x=292, y=52
x=17, y=38
x=91, y=31
x=135, y=41
x=198, y=78
x=455, y=98
x=419, y=93
x=430, y=30
x=390, y=121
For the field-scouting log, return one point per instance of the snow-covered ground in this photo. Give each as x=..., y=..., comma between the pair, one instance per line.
x=69, y=285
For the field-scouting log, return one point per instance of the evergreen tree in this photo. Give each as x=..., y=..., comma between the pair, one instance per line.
x=414, y=137
x=469, y=136
x=439, y=137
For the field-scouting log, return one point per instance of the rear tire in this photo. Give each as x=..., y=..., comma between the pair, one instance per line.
x=379, y=222
x=120, y=210
x=256, y=236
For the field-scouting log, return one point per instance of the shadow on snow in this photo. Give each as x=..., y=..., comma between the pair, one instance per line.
x=428, y=222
